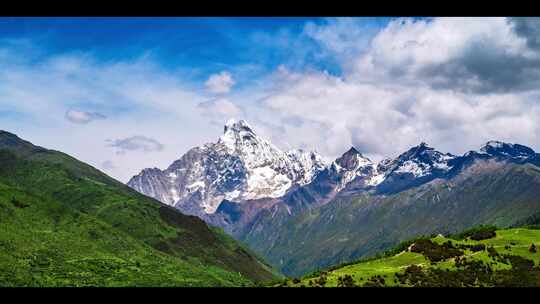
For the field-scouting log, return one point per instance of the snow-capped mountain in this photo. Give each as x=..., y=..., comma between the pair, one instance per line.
x=421, y=164
x=421, y=191
x=355, y=172
x=418, y=161
x=244, y=169
x=503, y=150
x=240, y=166
x=350, y=166
x=417, y=165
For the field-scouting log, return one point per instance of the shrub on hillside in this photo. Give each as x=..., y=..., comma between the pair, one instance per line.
x=483, y=235
x=346, y=281
x=375, y=281
x=522, y=273
x=477, y=247
x=477, y=233
x=321, y=281
x=18, y=203
x=413, y=269
x=435, y=252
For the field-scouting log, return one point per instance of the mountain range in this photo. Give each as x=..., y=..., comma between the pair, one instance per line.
x=241, y=166
x=302, y=213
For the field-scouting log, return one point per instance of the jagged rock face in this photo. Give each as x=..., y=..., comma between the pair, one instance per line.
x=153, y=183
x=350, y=166
x=353, y=160
x=351, y=170
x=197, y=181
x=240, y=167
x=305, y=165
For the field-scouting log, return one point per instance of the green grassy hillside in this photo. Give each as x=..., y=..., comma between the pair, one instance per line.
x=64, y=223
x=509, y=257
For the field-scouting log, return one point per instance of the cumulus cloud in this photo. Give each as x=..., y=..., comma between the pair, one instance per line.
x=384, y=119
x=476, y=55
x=528, y=28
x=219, y=110
x=341, y=37
x=143, y=98
x=220, y=83
x=136, y=143
x=452, y=82
x=82, y=117
x=333, y=113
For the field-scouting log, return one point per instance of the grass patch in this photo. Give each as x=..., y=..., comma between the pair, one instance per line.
x=504, y=259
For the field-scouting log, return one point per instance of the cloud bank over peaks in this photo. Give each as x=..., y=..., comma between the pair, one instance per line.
x=452, y=82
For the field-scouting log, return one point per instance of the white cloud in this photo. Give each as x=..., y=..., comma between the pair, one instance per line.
x=416, y=81
x=319, y=110
x=82, y=117
x=219, y=110
x=135, y=143
x=220, y=83
x=341, y=37
x=138, y=97
x=479, y=55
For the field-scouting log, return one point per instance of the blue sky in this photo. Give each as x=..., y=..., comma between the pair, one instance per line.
x=128, y=93
x=205, y=45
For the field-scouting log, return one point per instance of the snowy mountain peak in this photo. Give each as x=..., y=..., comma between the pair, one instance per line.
x=498, y=148
x=238, y=134
x=494, y=144
x=353, y=160
x=240, y=166
x=351, y=165
x=352, y=150
x=419, y=161
x=305, y=165
x=418, y=150
x=237, y=126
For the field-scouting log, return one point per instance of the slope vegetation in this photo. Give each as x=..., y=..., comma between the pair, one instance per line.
x=481, y=258
x=65, y=223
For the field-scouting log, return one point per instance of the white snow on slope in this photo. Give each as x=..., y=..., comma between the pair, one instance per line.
x=376, y=179
x=413, y=168
x=240, y=166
